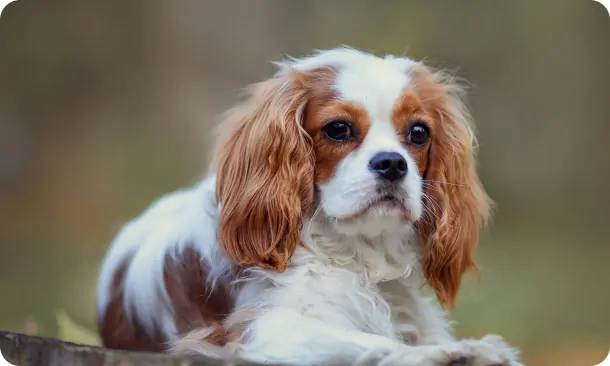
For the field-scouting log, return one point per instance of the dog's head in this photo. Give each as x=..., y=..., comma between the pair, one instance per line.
x=377, y=143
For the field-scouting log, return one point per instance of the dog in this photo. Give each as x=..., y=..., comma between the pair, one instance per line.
x=339, y=187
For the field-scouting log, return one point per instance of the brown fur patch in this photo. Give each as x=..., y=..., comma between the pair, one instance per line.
x=323, y=109
x=185, y=285
x=116, y=331
x=408, y=110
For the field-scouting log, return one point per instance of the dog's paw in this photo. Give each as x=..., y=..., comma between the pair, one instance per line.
x=417, y=357
x=460, y=361
x=429, y=355
x=491, y=350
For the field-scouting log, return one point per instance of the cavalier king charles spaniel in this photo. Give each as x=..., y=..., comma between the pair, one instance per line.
x=339, y=188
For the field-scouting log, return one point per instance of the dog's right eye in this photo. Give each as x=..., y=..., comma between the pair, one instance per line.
x=338, y=131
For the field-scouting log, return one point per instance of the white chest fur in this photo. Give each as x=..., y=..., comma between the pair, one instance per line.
x=340, y=280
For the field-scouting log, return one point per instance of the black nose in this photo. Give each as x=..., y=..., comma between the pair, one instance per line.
x=389, y=165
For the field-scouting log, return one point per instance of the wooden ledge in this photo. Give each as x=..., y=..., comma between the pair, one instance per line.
x=24, y=350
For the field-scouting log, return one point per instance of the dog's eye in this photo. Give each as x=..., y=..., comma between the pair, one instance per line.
x=338, y=131
x=418, y=135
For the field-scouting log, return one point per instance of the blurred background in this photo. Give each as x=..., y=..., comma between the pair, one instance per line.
x=106, y=105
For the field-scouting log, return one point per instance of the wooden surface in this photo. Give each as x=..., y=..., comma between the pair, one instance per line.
x=23, y=350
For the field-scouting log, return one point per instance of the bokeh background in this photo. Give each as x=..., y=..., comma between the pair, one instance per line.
x=106, y=105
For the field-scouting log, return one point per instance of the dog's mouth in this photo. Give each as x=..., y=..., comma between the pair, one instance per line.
x=382, y=203
x=387, y=199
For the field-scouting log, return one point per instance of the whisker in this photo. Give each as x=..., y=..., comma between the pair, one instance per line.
x=432, y=210
x=429, y=219
x=313, y=217
x=453, y=184
x=432, y=201
x=432, y=187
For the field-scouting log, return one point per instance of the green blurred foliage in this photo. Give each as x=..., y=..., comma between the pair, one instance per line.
x=70, y=331
x=106, y=105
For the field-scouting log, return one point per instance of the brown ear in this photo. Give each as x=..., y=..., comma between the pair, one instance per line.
x=456, y=206
x=265, y=175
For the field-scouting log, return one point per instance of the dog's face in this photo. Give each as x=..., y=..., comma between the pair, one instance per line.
x=371, y=137
x=373, y=144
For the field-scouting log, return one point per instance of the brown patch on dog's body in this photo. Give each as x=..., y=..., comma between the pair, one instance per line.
x=193, y=308
x=116, y=331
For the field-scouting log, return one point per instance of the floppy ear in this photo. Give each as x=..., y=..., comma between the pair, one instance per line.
x=456, y=206
x=265, y=169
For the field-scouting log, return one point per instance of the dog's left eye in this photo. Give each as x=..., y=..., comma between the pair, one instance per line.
x=339, y=131
x=418, y=135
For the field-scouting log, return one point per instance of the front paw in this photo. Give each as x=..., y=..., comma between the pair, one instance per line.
x=461, y=361
x=491, y=350
x=429, y=355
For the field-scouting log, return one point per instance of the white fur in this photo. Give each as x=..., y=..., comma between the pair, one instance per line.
x=350, y=294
